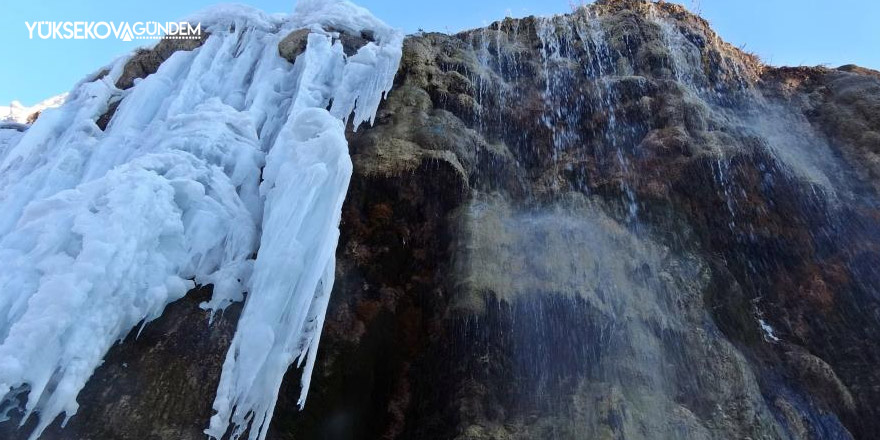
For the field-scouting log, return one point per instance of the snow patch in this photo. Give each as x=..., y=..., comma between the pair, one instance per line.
x=18, y=112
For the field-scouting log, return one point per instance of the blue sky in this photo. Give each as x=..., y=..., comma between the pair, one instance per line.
x=782, y=32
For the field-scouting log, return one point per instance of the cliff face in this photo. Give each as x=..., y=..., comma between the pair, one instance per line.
x=608, y=224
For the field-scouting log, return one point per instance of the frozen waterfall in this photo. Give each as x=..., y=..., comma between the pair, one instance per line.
x=226, y=152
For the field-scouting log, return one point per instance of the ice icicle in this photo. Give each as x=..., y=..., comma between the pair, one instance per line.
x=290, y=283
x=305, y=181
x=100, y=229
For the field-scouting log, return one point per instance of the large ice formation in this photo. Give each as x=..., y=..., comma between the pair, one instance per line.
x=226, y=152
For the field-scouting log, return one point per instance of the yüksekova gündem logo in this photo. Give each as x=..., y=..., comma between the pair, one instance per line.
x=122, y=30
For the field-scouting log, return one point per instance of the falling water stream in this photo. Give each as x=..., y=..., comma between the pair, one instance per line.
x=629, y=285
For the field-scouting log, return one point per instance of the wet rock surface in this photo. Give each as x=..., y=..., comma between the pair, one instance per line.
x=661, y=238
x=609, y=224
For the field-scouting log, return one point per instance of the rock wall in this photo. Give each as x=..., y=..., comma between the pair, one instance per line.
x=609, y=224
x=660, y=237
